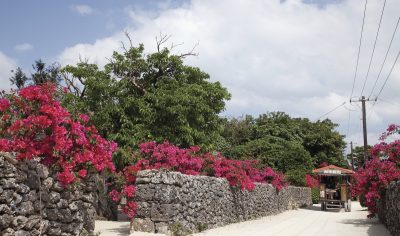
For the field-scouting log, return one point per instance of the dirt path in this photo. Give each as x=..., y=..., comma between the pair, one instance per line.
x=301, y=222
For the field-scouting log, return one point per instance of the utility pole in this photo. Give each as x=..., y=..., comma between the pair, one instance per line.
x=364, y=119
x=351, y=155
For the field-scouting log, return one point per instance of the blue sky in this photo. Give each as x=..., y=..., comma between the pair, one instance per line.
x=296, y=56
x=49, y=26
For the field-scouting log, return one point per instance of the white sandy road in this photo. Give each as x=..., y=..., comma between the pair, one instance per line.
x=302, y=222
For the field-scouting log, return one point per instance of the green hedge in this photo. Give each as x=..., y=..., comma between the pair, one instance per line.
x=315, y=195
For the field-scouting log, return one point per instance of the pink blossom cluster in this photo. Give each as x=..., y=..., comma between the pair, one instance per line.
x=392, y=129
x=34, y=124
x=372, y=179
x=190, y=161
x=311, y=182
x=377, y=173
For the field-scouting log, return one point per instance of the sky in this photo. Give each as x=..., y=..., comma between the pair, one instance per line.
x=294, y=56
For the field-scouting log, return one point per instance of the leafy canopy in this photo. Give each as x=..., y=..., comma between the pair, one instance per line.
x=139, y=97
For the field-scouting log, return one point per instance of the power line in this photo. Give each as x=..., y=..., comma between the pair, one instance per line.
x=389, y=102
x=334, y=109
x=384, y=60
x=370, y=110
x=349, y=109
x=390, y=72
x=359, y=48
x=373, y=49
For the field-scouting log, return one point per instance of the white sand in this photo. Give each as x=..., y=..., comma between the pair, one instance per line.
x=302, y=222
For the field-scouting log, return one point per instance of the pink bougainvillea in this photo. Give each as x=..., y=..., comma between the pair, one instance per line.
x=189, y=161
x=378, y=172
x=374, y=178
x=311, y=182
x=34, y=124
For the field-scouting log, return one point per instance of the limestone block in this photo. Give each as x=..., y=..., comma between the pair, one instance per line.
x=143, y=225
x=5, y=221
x=164, y=212
x=144, y=192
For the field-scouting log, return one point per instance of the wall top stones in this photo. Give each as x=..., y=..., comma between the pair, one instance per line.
x=171, y=201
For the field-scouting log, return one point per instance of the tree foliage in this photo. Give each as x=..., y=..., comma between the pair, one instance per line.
x=282, y=142
x=19, y=78
x=139, y=97
x=42, y=74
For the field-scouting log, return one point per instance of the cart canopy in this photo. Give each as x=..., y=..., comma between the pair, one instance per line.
x=332, y=170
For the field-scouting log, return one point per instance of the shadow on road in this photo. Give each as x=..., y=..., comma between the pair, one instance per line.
x=375, y=228
x=317, y=207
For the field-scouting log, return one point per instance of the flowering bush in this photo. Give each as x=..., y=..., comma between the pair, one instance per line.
x=372, y=179
x=189, y=161
x=377, y=173
x=34, y=124
x=311, y=182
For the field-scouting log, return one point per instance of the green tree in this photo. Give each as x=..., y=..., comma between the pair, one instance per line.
x=140, y=97
x=42, y=74
x=19, y=78
x=278, y=153
x=283, y=142
x=324, y=143
x=358, y=155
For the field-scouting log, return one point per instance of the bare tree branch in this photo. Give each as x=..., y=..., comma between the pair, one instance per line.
x=162, y=40
x=191, y=52
x=130, y=41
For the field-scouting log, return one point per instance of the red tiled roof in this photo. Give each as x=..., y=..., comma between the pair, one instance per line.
x=333, y=167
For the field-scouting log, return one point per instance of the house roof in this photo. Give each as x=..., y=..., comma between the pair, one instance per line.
x=332, y=170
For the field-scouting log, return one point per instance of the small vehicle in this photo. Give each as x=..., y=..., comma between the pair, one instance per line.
x=334, y=187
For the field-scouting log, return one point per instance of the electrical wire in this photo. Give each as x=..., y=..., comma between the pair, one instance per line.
x=359, y=48
x=389, y=102
x=334, y=109
x=388, y=76
x=384, y=60
x=373, y=49
x=349, y=109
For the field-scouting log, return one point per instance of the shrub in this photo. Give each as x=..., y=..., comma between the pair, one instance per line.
x=315, y=195
x=34, y=124
x=372, y=179
x=296, y=178
x=375, y=176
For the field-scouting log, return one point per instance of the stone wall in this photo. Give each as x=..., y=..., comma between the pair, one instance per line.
x=171, y=201
x=389, y=208
x=33, y=203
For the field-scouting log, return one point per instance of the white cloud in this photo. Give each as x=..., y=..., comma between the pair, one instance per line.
x=274, y=55
x=23, y=47
x=82, y=9
x=97, y=52
x=6, y=65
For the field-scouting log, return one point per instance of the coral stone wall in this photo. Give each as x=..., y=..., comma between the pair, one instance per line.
x=170, y=200
x=389, y=208
x=33, y=203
